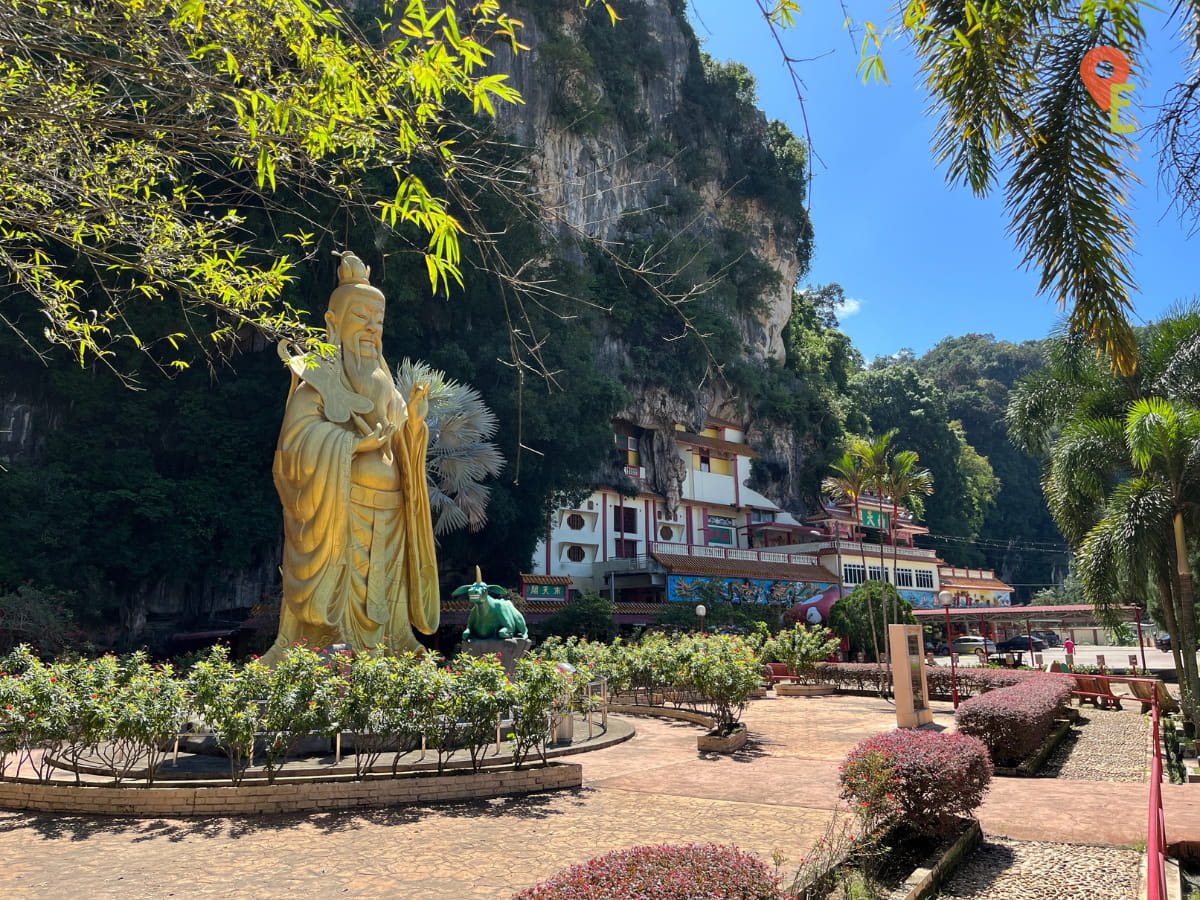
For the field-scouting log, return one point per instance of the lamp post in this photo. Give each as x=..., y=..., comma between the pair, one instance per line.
x=1137, y=620
x=947, y=600
x=701, y=609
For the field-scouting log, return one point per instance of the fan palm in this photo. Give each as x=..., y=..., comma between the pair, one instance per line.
x=460, y=458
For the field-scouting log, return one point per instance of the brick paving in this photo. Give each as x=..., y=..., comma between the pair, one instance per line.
x=776, y=795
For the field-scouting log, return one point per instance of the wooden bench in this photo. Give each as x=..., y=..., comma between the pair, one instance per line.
x=1093, y=690
x=777, y=672
x=1145, y=693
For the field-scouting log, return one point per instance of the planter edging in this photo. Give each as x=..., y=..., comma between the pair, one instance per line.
x=923, y=882
x=304, y=797
x=786, y=689
x=685, y=715
x=728, y=743
x=1029, y=768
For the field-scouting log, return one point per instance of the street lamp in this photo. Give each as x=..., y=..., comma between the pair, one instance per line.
x=947, y=600
x=701, y=609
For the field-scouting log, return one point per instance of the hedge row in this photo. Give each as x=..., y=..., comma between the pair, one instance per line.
x=1015, y=721
x=877, y=678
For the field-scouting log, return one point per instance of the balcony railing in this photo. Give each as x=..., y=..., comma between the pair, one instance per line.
x=645, y=562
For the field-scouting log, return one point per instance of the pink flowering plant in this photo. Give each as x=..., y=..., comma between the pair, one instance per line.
x=228, y=700
x=936, y=778
x=298, y=700
x=663, y=872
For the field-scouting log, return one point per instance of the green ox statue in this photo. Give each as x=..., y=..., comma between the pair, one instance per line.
x=492, y=614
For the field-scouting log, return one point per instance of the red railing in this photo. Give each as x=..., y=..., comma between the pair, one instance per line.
x=1156, y=827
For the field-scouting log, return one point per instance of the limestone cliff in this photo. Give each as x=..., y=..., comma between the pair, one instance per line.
x=595, y=170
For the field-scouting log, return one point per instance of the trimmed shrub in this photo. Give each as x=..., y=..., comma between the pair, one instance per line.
x=663, y=872
x=877, y=678
x=937, y=778
x=1014, y=722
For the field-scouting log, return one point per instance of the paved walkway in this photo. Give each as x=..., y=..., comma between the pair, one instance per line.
x=776, y=795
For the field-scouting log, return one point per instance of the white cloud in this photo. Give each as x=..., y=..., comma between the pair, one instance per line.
x=847, y=308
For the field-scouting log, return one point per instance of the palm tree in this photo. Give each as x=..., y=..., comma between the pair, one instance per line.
x=875, y=455
x=460, y=457
x=1123, y=473
x=902, y=482
x=848, y=484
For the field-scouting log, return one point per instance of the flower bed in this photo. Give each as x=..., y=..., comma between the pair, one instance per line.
x=124, y=711
x=1015, y=721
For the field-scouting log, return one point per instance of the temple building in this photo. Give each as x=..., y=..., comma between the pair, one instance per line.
x=675, y=524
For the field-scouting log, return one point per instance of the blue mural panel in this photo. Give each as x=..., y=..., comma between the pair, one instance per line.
x=814, y=599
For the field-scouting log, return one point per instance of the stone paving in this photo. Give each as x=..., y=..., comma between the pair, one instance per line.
x=776, y=795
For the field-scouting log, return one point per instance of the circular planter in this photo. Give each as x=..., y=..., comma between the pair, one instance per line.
x=785, y=689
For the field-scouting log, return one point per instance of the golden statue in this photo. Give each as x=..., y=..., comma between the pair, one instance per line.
x=358, y=558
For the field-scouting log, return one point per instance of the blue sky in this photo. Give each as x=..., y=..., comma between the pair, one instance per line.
x=921, y=260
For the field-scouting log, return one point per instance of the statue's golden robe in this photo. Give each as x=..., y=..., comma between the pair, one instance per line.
x=358, y=563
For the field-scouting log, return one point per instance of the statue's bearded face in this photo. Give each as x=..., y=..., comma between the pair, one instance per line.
x=361, y=329
x=360, y=334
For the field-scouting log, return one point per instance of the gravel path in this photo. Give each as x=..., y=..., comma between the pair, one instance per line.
x=1003, y=869
x=1108, y=745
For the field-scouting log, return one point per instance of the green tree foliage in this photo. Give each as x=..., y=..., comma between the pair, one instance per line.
x=135, y=135
x=898, y=397
x=863, y=615
x=589, y=617
x=1122, y=478
x=976, y=372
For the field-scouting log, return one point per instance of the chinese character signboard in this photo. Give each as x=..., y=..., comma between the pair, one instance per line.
x=546, y=591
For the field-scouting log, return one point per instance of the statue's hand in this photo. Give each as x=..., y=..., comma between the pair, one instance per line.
x=418, y=403
x=375, y=438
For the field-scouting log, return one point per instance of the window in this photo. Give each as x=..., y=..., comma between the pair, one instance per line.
x=625, y=549
x=719, y=530
x=878, y=574
x=904, y=578
x=575, y=554
x=924, y=579
x=628, y=445
x=853, y=573
x=575, y=521
x=758, y=516
x=666, y=533
x=705, y=461
x=625, y=519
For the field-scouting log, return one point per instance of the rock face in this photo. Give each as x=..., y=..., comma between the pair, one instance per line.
x=587, y=181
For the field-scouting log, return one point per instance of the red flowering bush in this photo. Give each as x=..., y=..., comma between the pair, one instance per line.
x=663, y=872
x=935, y=778
x=1014, y=722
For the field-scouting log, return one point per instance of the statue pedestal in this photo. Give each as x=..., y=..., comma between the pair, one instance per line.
x=509, y=649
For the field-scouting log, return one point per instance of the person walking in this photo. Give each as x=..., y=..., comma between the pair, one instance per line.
x=1069, y=650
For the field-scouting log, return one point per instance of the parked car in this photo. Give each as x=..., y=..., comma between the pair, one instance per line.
x=1050, y=637
x=1021, y=642
x=1163, y=643
x=971, y=643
